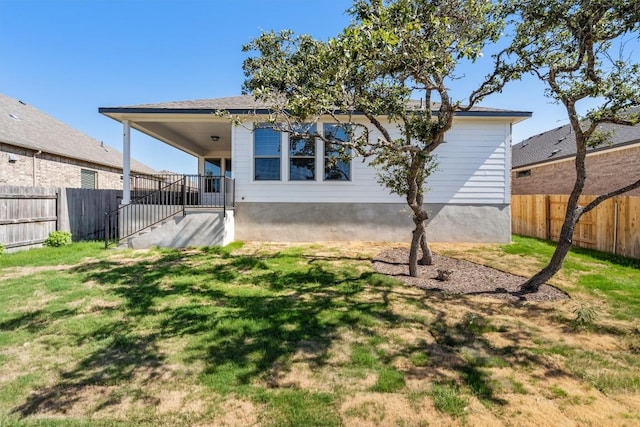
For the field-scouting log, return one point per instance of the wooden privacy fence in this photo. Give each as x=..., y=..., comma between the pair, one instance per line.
x=613, y=226
x=29, y=214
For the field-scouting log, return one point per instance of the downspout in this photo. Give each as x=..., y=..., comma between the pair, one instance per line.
x=126, y=163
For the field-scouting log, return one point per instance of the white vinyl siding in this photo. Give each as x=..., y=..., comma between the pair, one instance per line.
x=473, y=164
x=472, y=170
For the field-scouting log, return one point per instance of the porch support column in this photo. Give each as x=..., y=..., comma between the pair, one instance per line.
x=126, y=163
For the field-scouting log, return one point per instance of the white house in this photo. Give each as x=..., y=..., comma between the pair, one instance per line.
x=291, y=190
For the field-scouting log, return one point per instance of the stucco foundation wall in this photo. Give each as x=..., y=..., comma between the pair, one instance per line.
x=51, y=170
x=369, y=222
x=606, y=171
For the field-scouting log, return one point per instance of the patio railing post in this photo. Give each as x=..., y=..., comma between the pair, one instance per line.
x=184, y=194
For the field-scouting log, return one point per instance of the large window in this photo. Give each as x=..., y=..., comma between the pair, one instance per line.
x=88, y=179
x=302, y=155
x=266, y=151
x=336, y=167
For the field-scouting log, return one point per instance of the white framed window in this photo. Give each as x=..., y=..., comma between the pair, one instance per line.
x=336, y=168
x=302, y=155
x=267, y=152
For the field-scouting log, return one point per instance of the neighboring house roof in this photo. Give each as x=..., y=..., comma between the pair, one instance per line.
x=247, y=104
x=560, y=143
x=24, y=126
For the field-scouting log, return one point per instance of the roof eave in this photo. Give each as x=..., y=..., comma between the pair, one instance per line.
x=118, y=113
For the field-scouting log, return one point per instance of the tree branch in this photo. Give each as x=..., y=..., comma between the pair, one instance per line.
x=595, y=202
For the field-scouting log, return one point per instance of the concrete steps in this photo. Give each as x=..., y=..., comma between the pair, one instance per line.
x=196, y=229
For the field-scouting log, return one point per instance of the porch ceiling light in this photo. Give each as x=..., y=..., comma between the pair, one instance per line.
x=215, y=138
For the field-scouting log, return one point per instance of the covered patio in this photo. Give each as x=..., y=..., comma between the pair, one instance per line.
x=194, y=127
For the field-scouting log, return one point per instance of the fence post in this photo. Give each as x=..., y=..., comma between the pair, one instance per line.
x=547, y=214
x=106, y=230
x=615, y=225
x=58, y=209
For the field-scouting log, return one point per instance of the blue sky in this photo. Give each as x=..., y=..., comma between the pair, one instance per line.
x=70, y=57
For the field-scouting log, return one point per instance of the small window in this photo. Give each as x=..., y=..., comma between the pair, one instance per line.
x=522, y=174
x=302, y=155
x=266, y=151
x=336, y=168
x=88, y=179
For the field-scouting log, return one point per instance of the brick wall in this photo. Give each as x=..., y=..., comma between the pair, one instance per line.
x=51, y=170
x=605, y=172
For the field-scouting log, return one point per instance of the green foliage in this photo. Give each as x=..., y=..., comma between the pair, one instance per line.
x=2, y=248
x=389, y=380
x=302, y=408
x=558, y=392
x=476, y=324
x=419, y=358
x=586, y=315
x=63, y=255
x=569, y=46
x=57, y=239
x=364, y=356
x=517, y=386
x=447, y=398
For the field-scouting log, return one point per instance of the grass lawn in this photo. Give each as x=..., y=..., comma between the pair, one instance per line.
x=300, y=334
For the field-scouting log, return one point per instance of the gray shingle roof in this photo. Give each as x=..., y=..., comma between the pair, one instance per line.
x=560, y=143
x=243, y=102
x=25, y=126
x=246, y=104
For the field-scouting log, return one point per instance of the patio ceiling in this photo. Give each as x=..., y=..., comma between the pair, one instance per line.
x=189, y=133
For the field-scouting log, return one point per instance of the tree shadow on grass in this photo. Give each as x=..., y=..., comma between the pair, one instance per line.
x=35, y=320
x=244, y=318
x=126, y=359
x=463, y=345
x=240, y=317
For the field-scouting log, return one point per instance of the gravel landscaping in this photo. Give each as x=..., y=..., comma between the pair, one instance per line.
x=465, y=278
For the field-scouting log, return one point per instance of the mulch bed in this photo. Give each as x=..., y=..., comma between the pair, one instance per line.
x=467, y=278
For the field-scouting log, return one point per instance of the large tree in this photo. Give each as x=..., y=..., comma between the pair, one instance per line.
x=576, y=47
x=392, y=51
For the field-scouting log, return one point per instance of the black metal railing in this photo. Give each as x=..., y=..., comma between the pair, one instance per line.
x=158, y=197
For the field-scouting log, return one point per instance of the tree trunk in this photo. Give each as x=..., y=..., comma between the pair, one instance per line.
x=413, y=251
x=572, y=214
x=419, y=241
x=427, y=255
x=571, y=218
x=555, y=264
